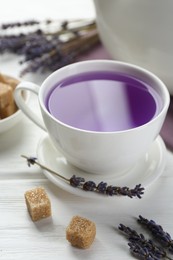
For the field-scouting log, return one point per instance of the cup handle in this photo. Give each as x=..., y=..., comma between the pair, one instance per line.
x=22, y=104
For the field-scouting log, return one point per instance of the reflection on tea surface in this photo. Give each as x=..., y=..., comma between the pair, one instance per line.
x=103, y=101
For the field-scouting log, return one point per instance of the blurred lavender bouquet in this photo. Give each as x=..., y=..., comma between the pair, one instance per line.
x=48, y=45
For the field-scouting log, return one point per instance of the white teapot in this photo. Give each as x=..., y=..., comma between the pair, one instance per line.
x=139, y=32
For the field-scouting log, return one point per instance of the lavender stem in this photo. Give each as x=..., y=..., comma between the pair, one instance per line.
x=44, y=167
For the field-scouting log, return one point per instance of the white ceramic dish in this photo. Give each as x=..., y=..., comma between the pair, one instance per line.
x=145, y=172
x=10, y=121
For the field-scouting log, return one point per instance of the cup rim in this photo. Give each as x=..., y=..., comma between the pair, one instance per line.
x=156, y=79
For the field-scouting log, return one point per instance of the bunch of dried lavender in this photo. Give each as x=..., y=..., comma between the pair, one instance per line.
x=141, y=247
x=48, y=45
x=157, y=231
x=101, y=188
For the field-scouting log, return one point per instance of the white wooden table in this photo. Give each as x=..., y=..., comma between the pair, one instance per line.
x=20, y=238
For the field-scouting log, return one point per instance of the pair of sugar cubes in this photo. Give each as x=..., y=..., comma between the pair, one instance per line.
x=80, y=231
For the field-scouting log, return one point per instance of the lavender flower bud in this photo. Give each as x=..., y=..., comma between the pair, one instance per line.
x=31, y=161
x=76, y=181
x=101, y=187
x=89, y=186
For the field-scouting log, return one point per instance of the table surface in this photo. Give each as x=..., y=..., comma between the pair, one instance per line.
x=20, y=238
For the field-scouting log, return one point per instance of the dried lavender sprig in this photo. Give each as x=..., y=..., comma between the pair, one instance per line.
x=141, y=252
x=18, y=24
x=138, y=243
x=102, y=188
x=157, y=231
x=38, y=47
x=21, y=42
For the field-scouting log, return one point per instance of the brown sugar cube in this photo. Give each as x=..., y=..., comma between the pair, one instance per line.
x=6, y=94
x=8, y=111
x=7, y=103
x=2, y=79
x=81, y=232
x=11, y=81
x=38, y=203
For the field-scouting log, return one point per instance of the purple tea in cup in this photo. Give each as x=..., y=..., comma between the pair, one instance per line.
x=103, y=101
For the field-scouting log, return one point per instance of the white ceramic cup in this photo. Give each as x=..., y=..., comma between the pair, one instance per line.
x=92, y=151
x=139, y=32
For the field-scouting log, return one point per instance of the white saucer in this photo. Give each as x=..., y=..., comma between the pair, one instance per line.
x=145, y=172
